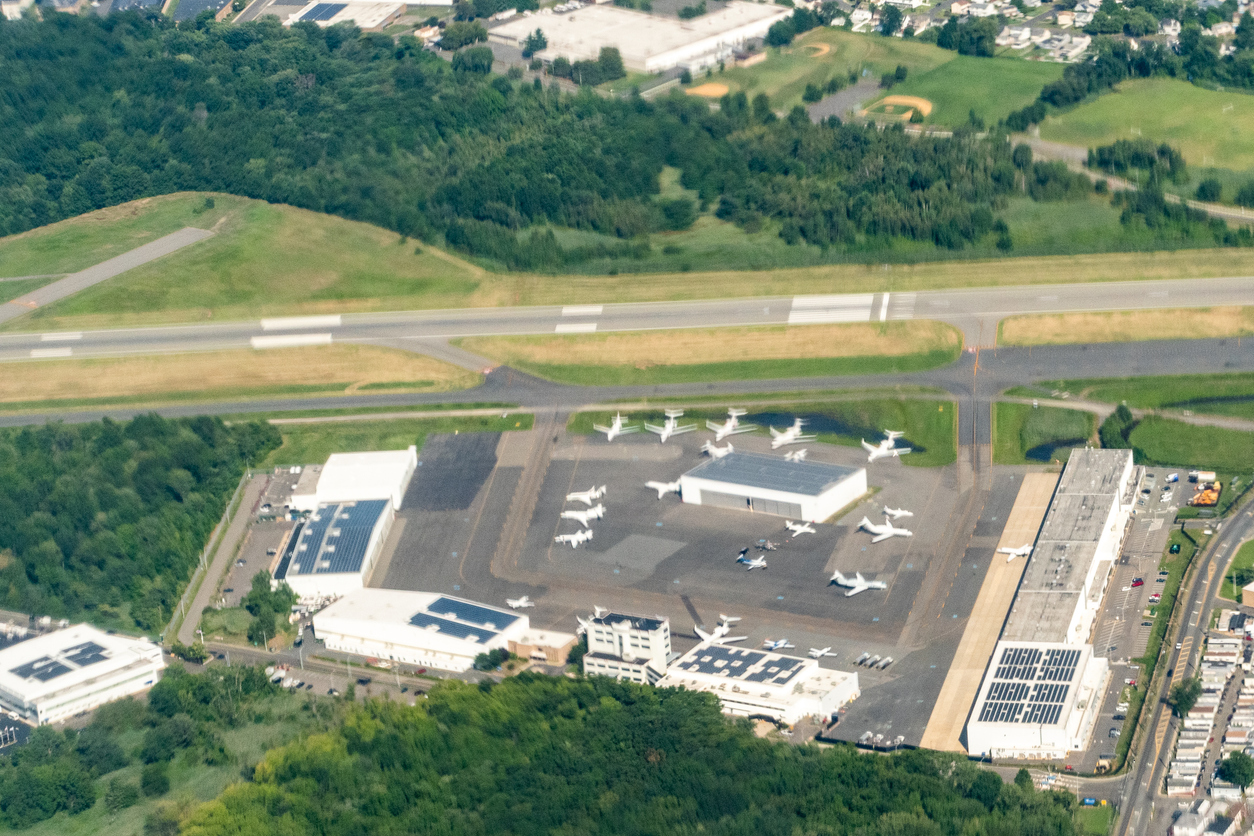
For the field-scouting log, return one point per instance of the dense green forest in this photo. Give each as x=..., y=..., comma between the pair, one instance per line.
x=540, y=755
x=105, y=521
x=95, y=112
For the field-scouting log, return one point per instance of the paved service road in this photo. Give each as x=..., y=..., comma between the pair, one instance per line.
x=976, y=311
x=95, y=274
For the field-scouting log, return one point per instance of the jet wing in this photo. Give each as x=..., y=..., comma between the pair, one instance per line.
x=882, y=537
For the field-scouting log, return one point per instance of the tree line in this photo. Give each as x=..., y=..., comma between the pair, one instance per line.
x=105, y=521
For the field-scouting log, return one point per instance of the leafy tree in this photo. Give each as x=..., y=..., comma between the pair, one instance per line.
x=689, y=12
x=474, y=60
x=155, y=779
x=458, y=35
x=491, y=660
x=121, y=794
x=1023, y=780
x=1237, y=768
x=1115, y=429
x=1021, y=156
x=194, y=653
x=1245, y=195
x=812, y=93
x=890, y=20
x=1183, y=695
x=533, y=43
x=679, y=213
x=1209, y=190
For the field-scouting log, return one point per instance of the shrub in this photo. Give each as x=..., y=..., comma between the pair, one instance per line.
x=155, y=779
x=1209, y=190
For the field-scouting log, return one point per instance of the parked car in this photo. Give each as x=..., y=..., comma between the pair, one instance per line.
x=1138, y=582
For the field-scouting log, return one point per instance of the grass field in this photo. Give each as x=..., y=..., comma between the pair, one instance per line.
x=1094, y=821
x=1166, y=441
x=992, y=87
x=1126, y=326
x=243, y=373
x=930, y=425
x=1243, y=559
x=228, y=624
x=1026, y=435
x=12, y=290
x=1217, y=394
x=1209, y=127
x=305, y=443
x=726, y=353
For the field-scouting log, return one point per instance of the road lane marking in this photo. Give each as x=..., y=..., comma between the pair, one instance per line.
x=63, y=336
x=581, y=310
x=290, y=340
x=46, y=353
x=292, y=323
x=576, y=327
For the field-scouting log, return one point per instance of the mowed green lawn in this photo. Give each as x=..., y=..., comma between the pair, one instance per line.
x=313, y=442
x=1023, y=434
x=992, y=87
x=1216, y=394
x=1210, y=128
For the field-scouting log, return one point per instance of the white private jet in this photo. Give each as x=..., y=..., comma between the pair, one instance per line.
x=795, y=456
x=856, y=584
x=663, y=488
x=1022, y=551
x=596, y=512
x=587, y=496
x=883, y=532
x=616, y=428
x=751, y=563
x=884, y=448
x=897, y=513
x=792, y=435
x=778, y=644
x=520, y=603
x=585, y=623
x=574, y=539
x=820, y=652
x=671, y=427
x=719, y=634
x=799, y=527
x=717, y=452
x=731, y=426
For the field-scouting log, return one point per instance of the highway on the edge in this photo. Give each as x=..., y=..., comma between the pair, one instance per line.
x=976, y=311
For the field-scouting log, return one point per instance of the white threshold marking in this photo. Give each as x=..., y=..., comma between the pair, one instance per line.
x=46, y=353
x=581, y=310
x=884, y=308
x=843, y=307
x=836, y=300
x=576, y=327
x=63, y=336
x=290, y=340
x=292, y=323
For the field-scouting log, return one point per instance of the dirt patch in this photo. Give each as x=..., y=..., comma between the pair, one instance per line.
x=1126, y=326
x=899, y=106
x=819, y=49
x=719, y=345
x=709, y=90
x=349, y=366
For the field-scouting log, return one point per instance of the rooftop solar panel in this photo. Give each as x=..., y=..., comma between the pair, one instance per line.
x=470, y=632
x=775, y=473
x=324, y=11
x=85, y=654
x=335, y=539
x=743, y=664
x=1010, y=697
x=469, y=613
x=44, y=669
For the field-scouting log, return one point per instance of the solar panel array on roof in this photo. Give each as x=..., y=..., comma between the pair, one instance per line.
x=335, y=539
x=1030, y=685
x=324, y=11
x=47, y=668
x=466, y=612
x=43, y=669
x=773, y=473
x=88, y=653
x=742, y=664
x=470, y=632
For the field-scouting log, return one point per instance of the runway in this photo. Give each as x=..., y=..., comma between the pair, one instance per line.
x=976, y=311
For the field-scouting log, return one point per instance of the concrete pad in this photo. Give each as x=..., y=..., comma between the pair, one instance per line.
x=962, y=684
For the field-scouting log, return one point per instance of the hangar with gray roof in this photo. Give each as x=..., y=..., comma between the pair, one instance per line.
x=801, y=490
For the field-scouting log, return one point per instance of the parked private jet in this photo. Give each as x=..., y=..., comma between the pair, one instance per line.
x=585, y=623
x=596, y=512
x=719, y=634
x=856, y=584
x=777, y=644
x=751, y=563
x=887, y=447
x=587, y=496
x=731, y=426
x=663, y=488
x=897, y=513
x=1022, y=551
x=616, y=428
x=795, y=456
x=820, y=652
x=717, y=452
x=574, y=539
x=799, y=527
x=671, y=427
x=792, y=435
x=520, y=603
x=883, y=532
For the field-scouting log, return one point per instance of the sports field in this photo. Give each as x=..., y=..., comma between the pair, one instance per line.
x=992, y=87
x=1209, y=127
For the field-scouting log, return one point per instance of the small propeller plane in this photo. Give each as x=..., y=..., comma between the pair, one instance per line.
x=751, y=563
x=520, y=603
x=596, y=512
x=799, y=527
x=883, y=532
x=820, y=652
x=731, y=426
x=1022, y=551
x=792, y=435
x=587, y=496
x=897, y=513
x=778, y=644
x=616, y=428
x=717, y=452
x=663, y=488
x=575, y=539
x=856, y=584
x=671, y=426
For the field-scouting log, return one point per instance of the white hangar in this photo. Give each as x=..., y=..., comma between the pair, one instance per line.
x=804, y=490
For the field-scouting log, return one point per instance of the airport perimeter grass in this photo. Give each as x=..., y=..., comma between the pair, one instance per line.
x=1211, y=128
x=726, y=353
x=929, y=425
x=1023, y=434
x=1215, y=394
x=1126, y=326
x=991, y=87
x=12, y=290
x=223, y=375
x=1165, y=441
x=1243, y=559
x=307, y=443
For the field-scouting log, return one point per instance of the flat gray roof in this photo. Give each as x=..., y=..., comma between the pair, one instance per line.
x=773, y=473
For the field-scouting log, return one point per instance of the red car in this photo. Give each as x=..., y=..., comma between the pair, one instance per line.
x=1138, y=582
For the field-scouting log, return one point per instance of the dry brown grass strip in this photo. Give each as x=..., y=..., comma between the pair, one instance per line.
x=719, y=345
x=244, y=370
x=1127, y=326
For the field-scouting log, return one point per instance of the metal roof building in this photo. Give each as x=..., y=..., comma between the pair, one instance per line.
x=351, y=477
x=755, y=683
x=804, y=490
x=335, y=549
x=57, y=675
x=430, y=629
